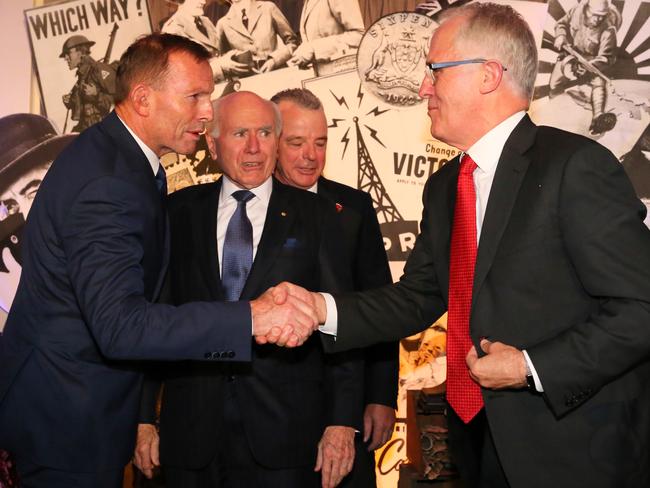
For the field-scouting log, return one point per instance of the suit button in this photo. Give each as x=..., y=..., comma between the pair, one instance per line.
x=208, y=355
x=231, y=354
x=216, y=355
x=231, y=378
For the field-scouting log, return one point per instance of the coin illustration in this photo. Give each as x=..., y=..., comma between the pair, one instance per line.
x=391, y=57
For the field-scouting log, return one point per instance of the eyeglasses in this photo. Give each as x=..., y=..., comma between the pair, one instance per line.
x=431, y=68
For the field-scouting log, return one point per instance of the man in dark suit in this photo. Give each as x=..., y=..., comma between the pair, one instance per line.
x=301, y=160
x=94, y=256
x=263, y=423
x=549, y=330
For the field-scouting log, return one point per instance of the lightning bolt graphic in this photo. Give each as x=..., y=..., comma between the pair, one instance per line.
x=346, y=140
x=376, y=112
x=359, y=95
x=373, y=134
x=335, y=123
x=340, y=100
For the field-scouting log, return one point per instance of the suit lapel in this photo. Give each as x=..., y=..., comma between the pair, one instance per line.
x=509, y=174
x=279, y=218
x=254, y=15
x=235, y=23
x=441, y=219
x=307, y=8
x=207, y=225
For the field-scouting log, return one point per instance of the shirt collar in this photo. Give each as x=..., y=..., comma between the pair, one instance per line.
x=487, y=150
x=151, y=156
x=313, y=188
x=263, y=192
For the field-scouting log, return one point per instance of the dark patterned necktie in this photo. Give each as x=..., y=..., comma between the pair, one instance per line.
x=244, y=18
x=463, y=394
x=198, y=22
x=237, y=248
x=161, y=180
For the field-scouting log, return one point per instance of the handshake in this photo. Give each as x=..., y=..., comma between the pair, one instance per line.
x=286, y=315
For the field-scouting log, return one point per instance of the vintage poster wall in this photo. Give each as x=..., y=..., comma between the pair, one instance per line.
x=367, y=72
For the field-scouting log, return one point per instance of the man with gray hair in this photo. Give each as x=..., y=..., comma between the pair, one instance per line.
x=271, y=421
x=533, y=241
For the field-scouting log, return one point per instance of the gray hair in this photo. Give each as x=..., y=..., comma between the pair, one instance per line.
x=216, y=105
x=496, y=31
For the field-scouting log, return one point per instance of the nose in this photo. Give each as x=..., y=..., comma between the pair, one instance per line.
x=426, y=87
x=252, y=143
x=205, y=111
x=309, y=152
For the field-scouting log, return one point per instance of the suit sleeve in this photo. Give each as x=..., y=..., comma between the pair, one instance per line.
x=398, y=310
x=601, y=222
x=344, y=370
x=371, y=270
x=282, y=54
x=103, y=241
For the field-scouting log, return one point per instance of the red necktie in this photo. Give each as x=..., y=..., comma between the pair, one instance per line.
x=463, y=394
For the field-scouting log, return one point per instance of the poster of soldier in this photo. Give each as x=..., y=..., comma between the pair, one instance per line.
x=76, y=46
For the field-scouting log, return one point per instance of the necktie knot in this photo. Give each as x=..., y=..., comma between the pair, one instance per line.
x=467, y=164
x=198, y=22
x=243, y=196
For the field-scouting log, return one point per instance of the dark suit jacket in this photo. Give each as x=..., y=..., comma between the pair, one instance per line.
x=563, y=271
x=286, y=396
x=369, y=265
x=93, y=259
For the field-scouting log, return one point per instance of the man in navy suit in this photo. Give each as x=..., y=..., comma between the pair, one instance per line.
x=301, y=160
x=534, y=243
x=271, y=421
x=94, y=256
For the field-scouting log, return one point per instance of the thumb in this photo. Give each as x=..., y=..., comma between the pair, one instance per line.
x=280, y=294
x=485, y=345
x=367, y=427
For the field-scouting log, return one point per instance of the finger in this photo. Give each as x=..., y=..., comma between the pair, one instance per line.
x=155, y=451
x=367, y=427
x=471, y=357
x=293, y=341
x=485, y=345
x=326, y=472
x=319, y=458
x=286, y=333
x=307, y=314
x=279, y=294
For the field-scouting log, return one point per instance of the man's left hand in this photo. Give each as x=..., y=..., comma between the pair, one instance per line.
x=378, y=423
x=335, y=455
x=503, y=366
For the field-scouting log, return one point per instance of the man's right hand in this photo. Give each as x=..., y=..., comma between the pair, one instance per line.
x=146, y=456
x=283, y=319
x=232, y=67
x=559, y=42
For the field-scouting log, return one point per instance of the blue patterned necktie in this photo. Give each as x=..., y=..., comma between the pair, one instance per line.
x=237, y=248
x=161, y=181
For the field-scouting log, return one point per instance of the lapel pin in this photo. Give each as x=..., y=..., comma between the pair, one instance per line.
x=283, y=214
x=339, y=207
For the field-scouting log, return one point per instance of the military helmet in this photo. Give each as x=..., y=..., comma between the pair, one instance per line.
x=599, y=7
x=75, y=41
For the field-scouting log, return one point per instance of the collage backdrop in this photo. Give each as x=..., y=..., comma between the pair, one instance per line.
x=367, y=74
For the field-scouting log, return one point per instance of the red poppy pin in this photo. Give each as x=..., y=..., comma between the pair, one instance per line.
x=339, y=207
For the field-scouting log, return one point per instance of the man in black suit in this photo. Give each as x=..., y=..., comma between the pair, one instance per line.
x=264, y=423
x=94, y=255
x=301, y=160
x=549, y=331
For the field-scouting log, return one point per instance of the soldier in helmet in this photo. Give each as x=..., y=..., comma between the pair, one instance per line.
x=590, y=29
x=91, y=97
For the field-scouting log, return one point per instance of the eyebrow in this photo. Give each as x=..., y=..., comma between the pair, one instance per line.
x=35, y=182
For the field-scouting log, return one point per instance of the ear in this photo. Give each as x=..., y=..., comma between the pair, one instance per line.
x=141, y=99
x=492, y=75
x=212, y=145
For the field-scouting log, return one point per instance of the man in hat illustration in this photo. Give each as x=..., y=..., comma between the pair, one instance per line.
x=91, y=97
x=28, y=144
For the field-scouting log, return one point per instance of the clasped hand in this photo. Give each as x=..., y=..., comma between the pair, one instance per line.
x=285, y=315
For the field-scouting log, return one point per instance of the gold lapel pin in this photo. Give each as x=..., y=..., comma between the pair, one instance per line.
x=283, y=214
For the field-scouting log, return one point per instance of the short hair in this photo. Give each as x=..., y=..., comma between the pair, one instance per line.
x=497, y=31
x=216, y=104
x=147, y=60
x=300, y=96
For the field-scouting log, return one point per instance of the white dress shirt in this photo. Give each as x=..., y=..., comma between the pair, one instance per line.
x=255, y=210
x=151, y=156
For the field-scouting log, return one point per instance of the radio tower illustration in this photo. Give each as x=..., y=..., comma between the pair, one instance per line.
x=369, y=181
x=368, y=178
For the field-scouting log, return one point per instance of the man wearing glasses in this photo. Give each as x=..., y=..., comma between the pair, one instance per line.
x=533, y=241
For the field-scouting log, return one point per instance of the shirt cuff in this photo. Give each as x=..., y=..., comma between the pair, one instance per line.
x=330, y=327
x=538, y=383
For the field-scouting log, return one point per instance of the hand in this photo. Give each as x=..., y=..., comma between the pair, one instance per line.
x=302, y=56
x=335, y=454
x=559, y=42
x=146, y=456
x=89, y=89
x=502, y=366
x=378, y=423
x=231, y=67
x=286, y=289
x=286, y=323
x=268, y=65
x=9, y=279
